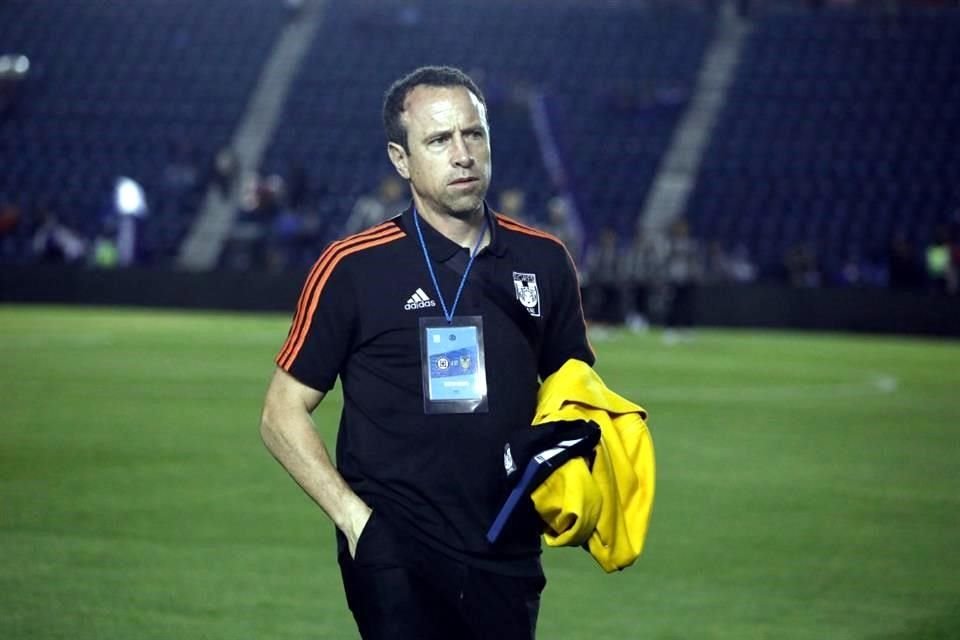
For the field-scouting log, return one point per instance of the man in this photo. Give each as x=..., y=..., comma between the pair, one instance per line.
x=374, y=208
x=439, y=323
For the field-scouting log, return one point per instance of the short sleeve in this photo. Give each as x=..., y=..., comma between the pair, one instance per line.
x=566, y=329
x=323, y=325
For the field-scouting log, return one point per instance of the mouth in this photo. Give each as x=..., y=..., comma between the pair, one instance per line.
x=461, y=182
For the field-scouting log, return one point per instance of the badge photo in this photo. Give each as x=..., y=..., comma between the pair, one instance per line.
x=527, y=292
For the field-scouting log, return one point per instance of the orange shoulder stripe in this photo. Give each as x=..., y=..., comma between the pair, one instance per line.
x=310, y=295
x=315, y=274
x=513, y=225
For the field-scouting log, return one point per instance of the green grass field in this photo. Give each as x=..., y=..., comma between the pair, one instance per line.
x=807, y=488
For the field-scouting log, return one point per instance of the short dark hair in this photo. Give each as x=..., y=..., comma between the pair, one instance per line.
x=432, y=76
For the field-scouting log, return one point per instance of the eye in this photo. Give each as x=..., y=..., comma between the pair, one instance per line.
x=438, y=140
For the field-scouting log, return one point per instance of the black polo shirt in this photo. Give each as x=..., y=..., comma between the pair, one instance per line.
x=438, y=477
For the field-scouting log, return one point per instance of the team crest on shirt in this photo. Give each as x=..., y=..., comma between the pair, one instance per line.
x=527, y=292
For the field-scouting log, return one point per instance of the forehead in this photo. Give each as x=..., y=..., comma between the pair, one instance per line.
x=428, y=108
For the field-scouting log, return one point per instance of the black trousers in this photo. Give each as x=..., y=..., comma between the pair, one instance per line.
x=401, y=591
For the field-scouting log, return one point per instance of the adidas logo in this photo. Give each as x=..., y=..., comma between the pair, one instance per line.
x=419, y=300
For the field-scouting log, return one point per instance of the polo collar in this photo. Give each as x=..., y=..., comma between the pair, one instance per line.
x=442, y=248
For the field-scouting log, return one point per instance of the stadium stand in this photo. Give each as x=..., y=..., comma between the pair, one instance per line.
x=148, y=89
x=840, y=132
x=614, y=77
x=840, y=129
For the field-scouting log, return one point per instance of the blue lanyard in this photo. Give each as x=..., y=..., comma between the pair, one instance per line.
x=433, y=275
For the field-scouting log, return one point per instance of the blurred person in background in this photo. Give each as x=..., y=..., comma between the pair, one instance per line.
x=560, y=223
x=226, y=168
x=55, y=242
x=742, y=267
x=297, y=186
x=283, y=236
x=718, y=266
x=374, y=208
x=638, y=271
x=420, y=475
x=683, y=271
x=802, y=267
x=10, y=218
x=603, y=277
x=729, y=266
x=14, y=70
x=104, y=253
x=253, y=231
x=862, y=269
x=905, y=271
x=941, y=272
x=512, y=203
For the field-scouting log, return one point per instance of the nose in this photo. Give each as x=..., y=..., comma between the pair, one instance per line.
x=461, y=156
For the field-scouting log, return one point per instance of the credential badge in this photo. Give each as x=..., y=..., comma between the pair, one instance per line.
x=527, y=292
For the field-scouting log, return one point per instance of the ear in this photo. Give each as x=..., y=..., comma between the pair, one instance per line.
x=398, y=157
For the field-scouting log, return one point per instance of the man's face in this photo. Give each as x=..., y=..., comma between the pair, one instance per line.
x=448, y=157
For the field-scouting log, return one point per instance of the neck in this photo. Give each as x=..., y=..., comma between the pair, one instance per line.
x=463, y=230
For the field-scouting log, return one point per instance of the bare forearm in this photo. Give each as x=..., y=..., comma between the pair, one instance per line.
x=294, y=442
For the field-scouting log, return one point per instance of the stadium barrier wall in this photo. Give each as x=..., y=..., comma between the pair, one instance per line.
x=234, y=290
x=763, y=306
x=828, y=309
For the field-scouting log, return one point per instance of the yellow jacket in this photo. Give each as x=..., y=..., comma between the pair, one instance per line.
x=606, y=507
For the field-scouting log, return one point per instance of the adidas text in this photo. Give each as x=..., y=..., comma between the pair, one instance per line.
x=410, y=306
